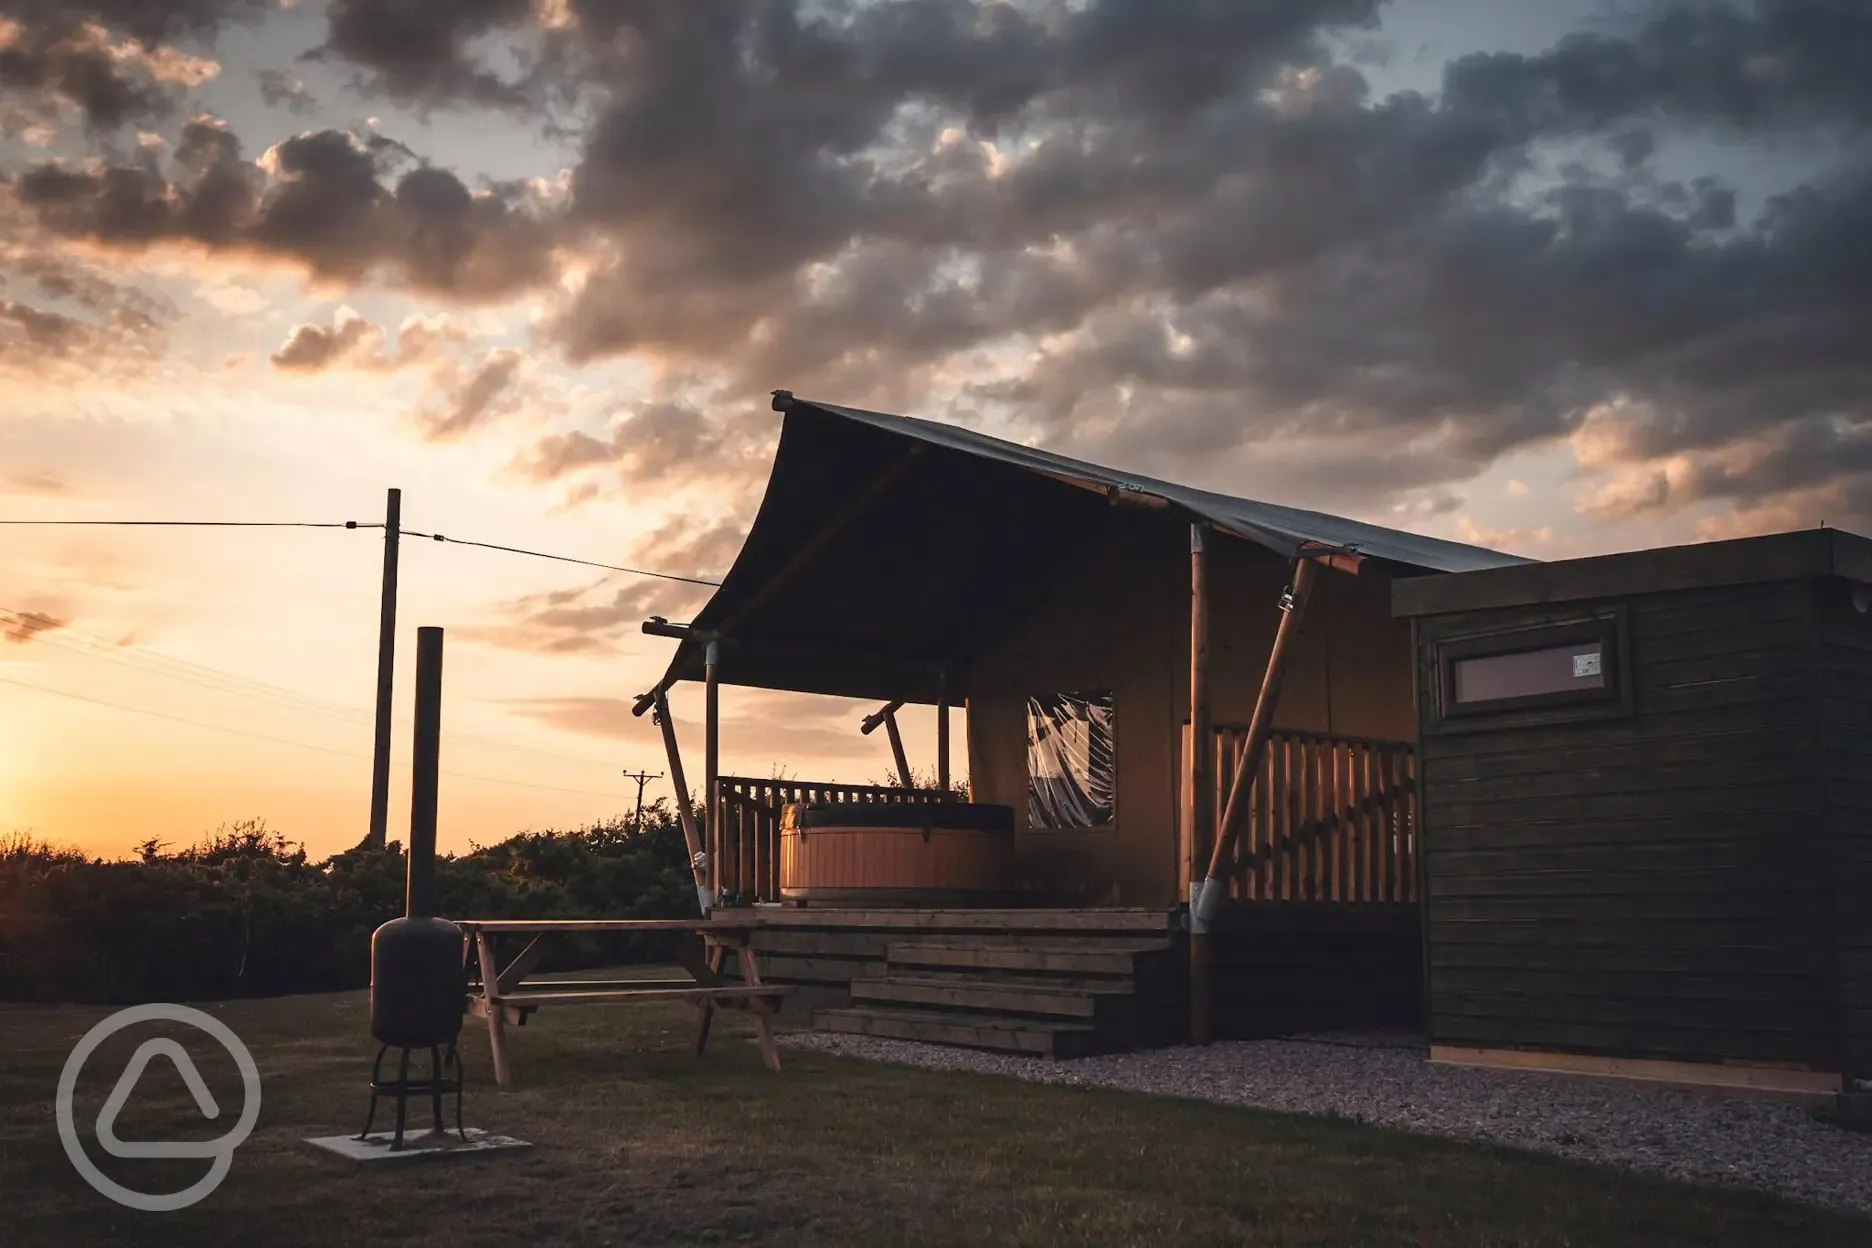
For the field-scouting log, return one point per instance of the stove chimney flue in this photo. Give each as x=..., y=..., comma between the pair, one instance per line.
x=418, y=976
x=419, y=897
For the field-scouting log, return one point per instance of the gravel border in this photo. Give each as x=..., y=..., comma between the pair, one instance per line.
x=1385, y=1080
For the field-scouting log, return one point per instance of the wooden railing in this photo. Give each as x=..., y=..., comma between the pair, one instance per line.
x=1332, y=818
x=747, y=860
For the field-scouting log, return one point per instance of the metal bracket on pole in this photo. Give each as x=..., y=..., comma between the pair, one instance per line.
x=1206, y=898
x=705, y=896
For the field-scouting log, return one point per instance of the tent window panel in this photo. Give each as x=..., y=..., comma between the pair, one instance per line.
x=1072, y=779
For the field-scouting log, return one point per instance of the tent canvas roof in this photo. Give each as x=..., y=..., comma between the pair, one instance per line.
x=887, y=546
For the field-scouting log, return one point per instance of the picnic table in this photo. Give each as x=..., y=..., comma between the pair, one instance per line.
x=503, y=995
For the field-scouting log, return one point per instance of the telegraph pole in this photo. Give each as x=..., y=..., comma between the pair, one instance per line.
x=386, y=669
x=642, y=778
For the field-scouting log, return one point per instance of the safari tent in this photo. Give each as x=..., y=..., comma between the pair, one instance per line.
x=1083, y=619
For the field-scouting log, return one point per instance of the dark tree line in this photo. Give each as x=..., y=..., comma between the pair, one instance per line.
x=246, y=913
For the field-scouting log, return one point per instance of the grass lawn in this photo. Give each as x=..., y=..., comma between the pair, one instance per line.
x=638, y=1142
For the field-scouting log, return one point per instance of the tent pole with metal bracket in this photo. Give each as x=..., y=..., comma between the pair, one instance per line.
x=692, y=837
x=700, y=843
x=887, y=716
x=1206, y=898
x=1199, y=779
x=942, y=730
x=711, y=762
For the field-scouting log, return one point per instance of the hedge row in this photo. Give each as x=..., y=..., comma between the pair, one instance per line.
x=246, y=913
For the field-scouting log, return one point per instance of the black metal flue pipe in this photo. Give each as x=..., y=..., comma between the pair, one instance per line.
x=418, y=980
x=419, y=901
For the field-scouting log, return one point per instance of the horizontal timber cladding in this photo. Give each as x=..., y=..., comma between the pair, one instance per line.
x=1655, y=880
x=1284, y=967
x=1845, y=712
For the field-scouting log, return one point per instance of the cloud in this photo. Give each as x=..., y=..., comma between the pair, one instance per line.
x=658, y=441
x=36, y=483
x=493, y=388
x=45, y=331
x=421, y=53
x=315, y=348
x=113, y=61
x=597, y=618
x=22, y=627
x=330, y=201
x=1171, y=233
x=1514, y=541
x=283, y=90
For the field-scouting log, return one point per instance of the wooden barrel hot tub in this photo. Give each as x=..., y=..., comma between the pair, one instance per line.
x=877, y=853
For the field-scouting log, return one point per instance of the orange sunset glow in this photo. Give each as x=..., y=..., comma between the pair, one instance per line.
x=538, y=265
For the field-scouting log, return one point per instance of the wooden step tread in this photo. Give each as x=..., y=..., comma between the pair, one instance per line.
x=998, y=977
x=1019, y=919
x=947, y=996
x=978, y=1031
x=1081, y=961
x=1001, y=944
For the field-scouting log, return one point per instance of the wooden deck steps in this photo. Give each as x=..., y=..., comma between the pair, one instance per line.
x=972, y=1031
x=1047, y=994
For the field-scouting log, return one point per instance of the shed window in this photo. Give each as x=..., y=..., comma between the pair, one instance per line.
x=1071, y=771
x=1569, y=668
x=1530, y=673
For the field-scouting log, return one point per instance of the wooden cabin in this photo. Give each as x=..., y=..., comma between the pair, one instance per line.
x=1646, y=786
x=1084, y=619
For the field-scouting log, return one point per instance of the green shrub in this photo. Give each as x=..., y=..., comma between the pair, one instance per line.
x=245, y=913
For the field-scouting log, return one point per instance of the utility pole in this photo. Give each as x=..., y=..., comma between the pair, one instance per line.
x=642, y=778
x=386, y=669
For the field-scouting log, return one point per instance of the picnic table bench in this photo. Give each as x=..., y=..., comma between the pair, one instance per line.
x=502, y=995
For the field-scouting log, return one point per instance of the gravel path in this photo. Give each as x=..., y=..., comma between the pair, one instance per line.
x=1385, y=1080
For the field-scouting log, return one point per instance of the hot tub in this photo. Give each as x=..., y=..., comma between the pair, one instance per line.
x=878, y=853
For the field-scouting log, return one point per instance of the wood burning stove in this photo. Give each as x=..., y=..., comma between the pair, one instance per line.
x=419, y=978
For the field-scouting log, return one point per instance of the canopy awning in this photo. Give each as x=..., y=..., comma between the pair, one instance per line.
x=887, y=547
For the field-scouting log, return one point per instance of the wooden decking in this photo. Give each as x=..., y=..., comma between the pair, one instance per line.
x=1064, y=983
x=1050, y=983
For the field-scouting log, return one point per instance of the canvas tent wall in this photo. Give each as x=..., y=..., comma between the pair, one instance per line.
x=1118, y=620
x=894, y=558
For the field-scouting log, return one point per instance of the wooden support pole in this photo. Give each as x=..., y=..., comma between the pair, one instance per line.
x=942, y=732
x=711, y=765
x=386, y=669
x=898, y=755
x=1199, y=780
x=1207, y=899
x=1248, y=763
x=887, y=716
x=692, y=836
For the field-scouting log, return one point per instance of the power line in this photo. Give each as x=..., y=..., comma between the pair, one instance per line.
x=303, y=745
x=176, y=719
x=228, y=682
x=353, y=524
x=540, y=554
x=212, y=524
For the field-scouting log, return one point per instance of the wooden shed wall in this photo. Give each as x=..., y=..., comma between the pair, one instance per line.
x=1845, y=713
x=1120, y=620
x=1650, y=885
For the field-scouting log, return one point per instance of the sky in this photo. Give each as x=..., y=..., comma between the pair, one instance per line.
x=1559, y=278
